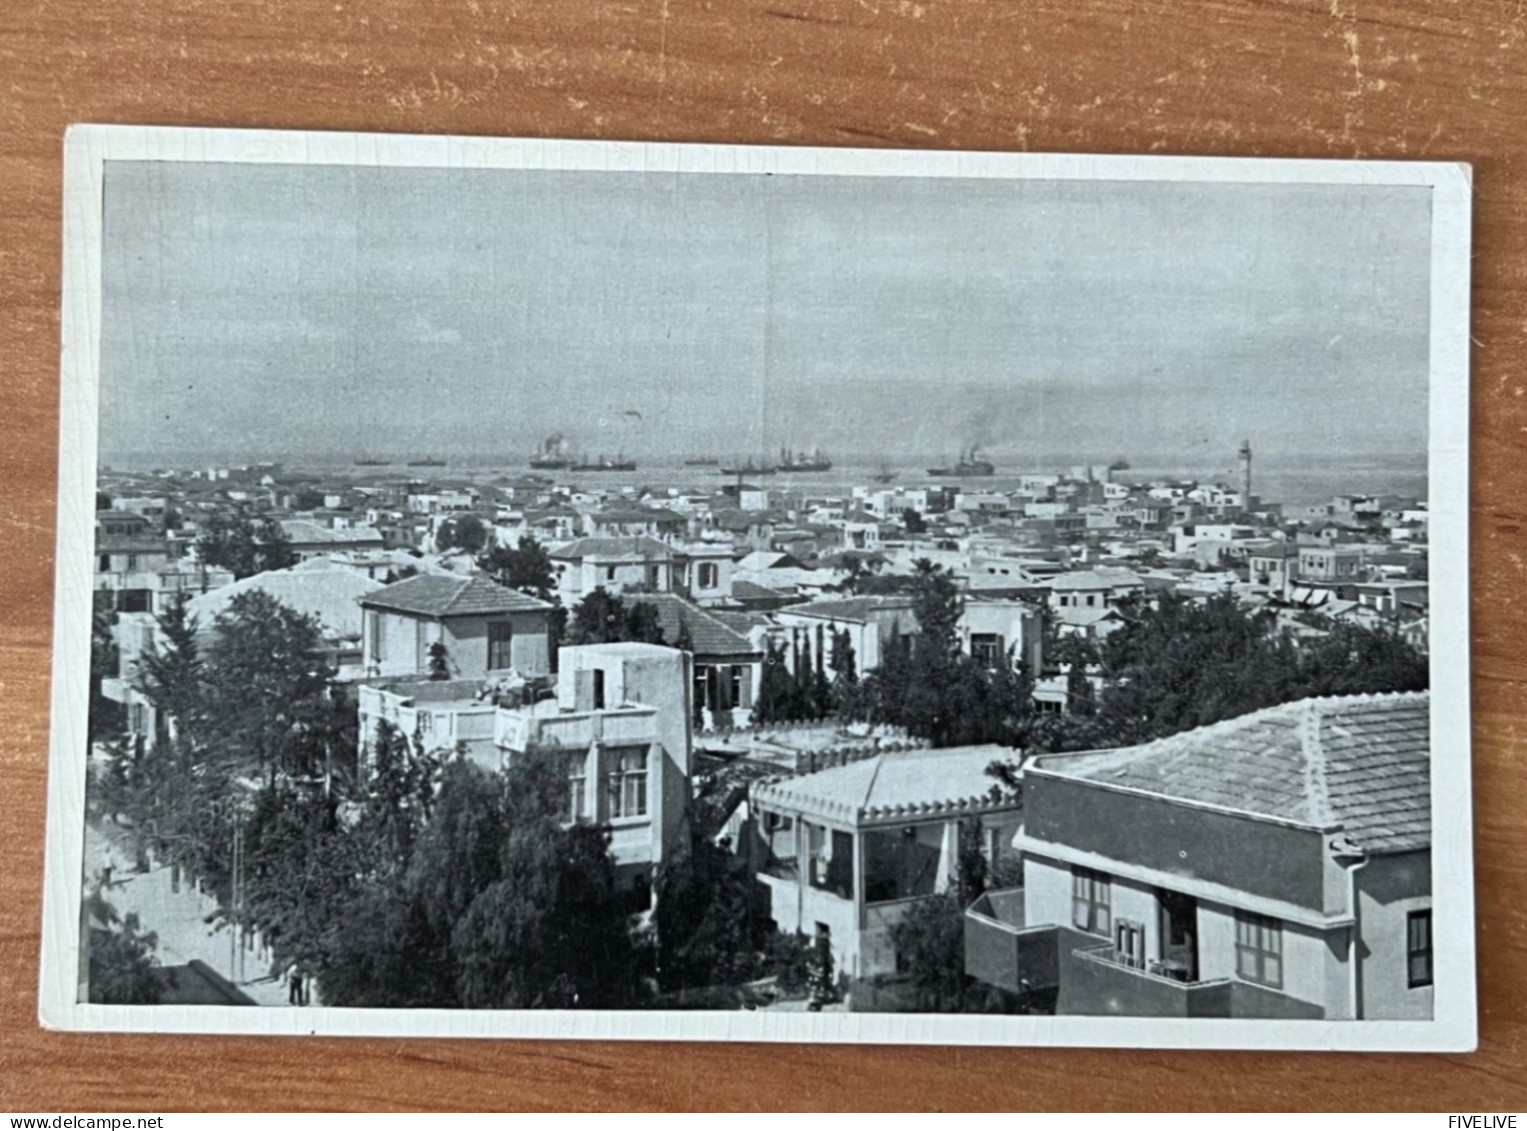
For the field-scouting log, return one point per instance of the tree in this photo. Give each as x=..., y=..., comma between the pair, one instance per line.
x=711, y=928
x=930, y=942
x=123, y=969
x=269, y=679
x=926, y=684
x=439, y=661
x=171, y=673
x=307, y=499
x=914, y=521
x=235, y=542
x=1185, y=664
x=776, y=687
x=462, y=531
x=602, y=618
x=106, y=717
x=845, y=675
x=500, y=904
x=527, y=567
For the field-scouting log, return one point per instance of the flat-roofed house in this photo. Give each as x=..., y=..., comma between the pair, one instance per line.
x=845, y=852
x=620, y=727
x=871, y=623
x=1273, y=865
x=486, y=628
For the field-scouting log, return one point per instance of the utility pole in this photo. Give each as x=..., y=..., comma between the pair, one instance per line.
x=1246, y=466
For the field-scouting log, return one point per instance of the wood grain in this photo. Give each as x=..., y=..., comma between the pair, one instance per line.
x=1341, y=78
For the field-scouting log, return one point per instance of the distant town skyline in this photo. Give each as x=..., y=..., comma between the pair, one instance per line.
x=313, y=312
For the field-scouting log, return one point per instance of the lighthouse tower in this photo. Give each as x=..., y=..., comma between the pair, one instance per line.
x=1246, y=470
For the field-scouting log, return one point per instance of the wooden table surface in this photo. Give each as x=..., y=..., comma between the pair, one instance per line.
x=1333, y=78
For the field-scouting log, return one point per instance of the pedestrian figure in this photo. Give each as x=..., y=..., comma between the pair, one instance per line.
x=294, y=985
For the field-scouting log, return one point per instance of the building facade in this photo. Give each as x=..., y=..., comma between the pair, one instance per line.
x=1275, y=865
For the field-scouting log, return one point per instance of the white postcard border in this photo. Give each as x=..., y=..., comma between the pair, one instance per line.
x=1454, y=1025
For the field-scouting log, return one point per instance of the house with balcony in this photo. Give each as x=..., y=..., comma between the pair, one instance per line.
x=1276, y=865
x=846, y=852
x=620, y=724
x=486, y=629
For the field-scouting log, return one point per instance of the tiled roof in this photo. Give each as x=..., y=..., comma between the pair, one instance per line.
x=1101, y=578
x=318, y=588
x=440, y=595
x=851, y=608
x=745, y=590
x=710, y=636
x=301, y=531
x=907, y=784
x=638, y=547
x=1359, y=764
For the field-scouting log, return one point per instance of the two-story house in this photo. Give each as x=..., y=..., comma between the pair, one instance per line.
x=620, y=726
x=616, y=565
x=1273, y=865
x=485, y=628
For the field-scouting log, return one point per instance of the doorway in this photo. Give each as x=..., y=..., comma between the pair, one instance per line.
x=1179, y=935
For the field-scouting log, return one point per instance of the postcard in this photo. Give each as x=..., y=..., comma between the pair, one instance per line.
x=566, y=589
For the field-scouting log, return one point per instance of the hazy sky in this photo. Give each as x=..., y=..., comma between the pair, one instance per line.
x=289, y=311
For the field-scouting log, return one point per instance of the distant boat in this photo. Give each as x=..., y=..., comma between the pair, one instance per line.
x=970, y=465
x=551, y=456
x=791, y=461
x=426, y=463
x=371, y=463
x=702, y=461
x=749, y=468
x=604, y=464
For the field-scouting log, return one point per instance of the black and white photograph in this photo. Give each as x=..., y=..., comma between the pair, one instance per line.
x=579, y=589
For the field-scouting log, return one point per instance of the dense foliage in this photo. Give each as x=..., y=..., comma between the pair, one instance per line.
x=462, y=532
x=526, y=567
x=238, y=543
x=123, y=969
x=603, y=618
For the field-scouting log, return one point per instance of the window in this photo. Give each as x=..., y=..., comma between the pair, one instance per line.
x=374, y=633
x=609, y=573
x=986, y=649
x=132, y=562
x=500, y=635
x=830, y=855
x=1090, y=902
x=1129, y=943
x=1259, y=949
x=577, y=786
x=655, y=577
x=626, y=783
x=105, y=563
x=709, y=575
x=598, y=689
x=1418, y=948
